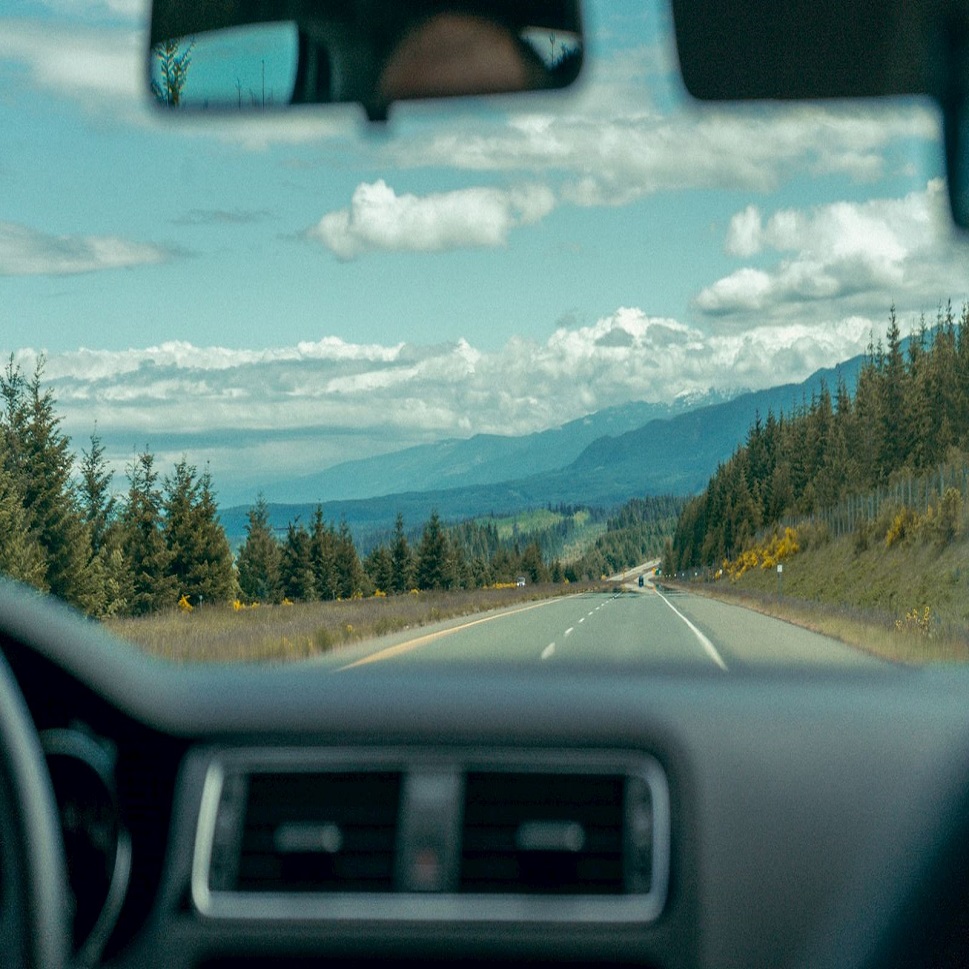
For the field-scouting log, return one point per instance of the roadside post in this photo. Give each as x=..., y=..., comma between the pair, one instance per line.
x=780, y=580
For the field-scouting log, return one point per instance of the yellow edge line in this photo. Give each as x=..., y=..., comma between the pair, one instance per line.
x=391, y=651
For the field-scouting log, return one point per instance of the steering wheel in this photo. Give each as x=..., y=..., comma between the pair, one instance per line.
x=33, y=882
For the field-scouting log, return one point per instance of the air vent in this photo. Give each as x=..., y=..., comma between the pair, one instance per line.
x=315, y=832
x=372, y=836
x=545, y=833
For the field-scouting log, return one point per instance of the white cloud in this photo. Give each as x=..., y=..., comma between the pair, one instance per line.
x=610, y=146
x=840, y=258
x=318, y=403
x=378, y=219
x=745, y=232
x=27, y=252
x=96, y=66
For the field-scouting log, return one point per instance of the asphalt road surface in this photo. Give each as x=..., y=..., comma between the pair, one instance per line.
x=643, y=627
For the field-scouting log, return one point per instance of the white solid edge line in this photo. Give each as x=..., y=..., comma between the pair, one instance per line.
x=711, y=650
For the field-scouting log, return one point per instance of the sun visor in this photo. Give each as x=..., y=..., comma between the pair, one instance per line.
x=742, y=50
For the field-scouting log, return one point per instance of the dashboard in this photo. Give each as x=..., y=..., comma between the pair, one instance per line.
x=230, y=816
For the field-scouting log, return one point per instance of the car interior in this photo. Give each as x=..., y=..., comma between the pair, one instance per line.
x=208, y=817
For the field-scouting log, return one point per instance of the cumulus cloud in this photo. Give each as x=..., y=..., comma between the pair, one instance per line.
x=301, y=408
x=842, y=256
x=378, y=219
x=27, y=252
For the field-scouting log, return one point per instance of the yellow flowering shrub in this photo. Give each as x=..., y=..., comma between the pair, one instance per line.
x=904, y=522
x=916, y=622
x=766, y=555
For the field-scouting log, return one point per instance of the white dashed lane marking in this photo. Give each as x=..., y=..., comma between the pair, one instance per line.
x=549, y=650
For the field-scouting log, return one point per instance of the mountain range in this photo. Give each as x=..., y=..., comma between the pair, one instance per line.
x=480, y=460
x=603, y=459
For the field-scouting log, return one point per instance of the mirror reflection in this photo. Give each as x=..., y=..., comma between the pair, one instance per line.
x=243, y=67
x=241, y=54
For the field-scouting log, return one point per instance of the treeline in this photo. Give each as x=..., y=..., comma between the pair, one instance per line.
x=65, y=531
x=319, y=560
x=909, y=413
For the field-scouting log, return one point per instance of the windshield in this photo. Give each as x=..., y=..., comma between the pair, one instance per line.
x=580, y=376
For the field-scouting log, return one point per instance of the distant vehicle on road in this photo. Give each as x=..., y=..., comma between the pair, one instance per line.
x=642, y=581
x=520, y=582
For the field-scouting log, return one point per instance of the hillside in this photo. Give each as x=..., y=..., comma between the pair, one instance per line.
x=916, y=590
x=907, y=415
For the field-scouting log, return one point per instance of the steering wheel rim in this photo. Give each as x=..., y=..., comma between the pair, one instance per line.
x=37, y=848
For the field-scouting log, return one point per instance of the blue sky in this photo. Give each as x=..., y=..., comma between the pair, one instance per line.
x=281, y=294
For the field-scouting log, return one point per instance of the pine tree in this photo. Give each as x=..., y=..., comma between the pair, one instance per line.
x=962, y=375
x=200, y=560
x=323, y=541
x=212, y=575
x=532, y=565
x=146, y=555
x=432, y=568
x=179, y=498
x=379, y=566
x=402, y=559
x=296, y=565
x=40, y=461
x=350, y=578
x=893, y=386
x=97, y=501
x=259, y=557
x=21, y=556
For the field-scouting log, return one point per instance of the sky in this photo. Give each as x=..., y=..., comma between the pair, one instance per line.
x=274, y=295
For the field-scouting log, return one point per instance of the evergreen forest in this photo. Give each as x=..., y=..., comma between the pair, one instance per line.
x=903, y=432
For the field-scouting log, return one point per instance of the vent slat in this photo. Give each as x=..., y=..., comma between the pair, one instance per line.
x=359, y=808
x=497, y=806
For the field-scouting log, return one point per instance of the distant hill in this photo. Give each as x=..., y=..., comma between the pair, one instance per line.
x=480, y=460
x=669, y=455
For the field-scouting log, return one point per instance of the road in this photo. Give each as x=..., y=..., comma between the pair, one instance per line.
x=636, y=626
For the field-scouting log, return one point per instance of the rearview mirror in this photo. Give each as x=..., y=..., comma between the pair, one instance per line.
x=256, y=54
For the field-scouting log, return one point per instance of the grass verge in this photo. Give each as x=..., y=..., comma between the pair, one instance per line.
x=869, y=630
x=909, y=603
x=219, y=634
